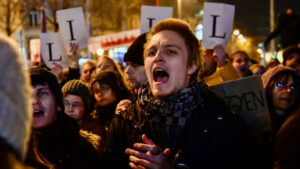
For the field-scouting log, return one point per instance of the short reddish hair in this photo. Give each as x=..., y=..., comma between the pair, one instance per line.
x=184, y=30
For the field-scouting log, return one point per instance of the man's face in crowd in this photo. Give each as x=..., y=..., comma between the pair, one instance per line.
x=166, y=64
x=135, y=75
x=44, y=106
x=87, y=70
x=241, y=63
x=74, y=107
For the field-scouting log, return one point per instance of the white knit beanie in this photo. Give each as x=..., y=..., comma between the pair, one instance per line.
x=15, y=98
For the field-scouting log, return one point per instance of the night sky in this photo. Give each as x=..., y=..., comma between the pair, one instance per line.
x=252, y=17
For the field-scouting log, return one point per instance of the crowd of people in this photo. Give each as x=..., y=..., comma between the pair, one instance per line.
x=158, y=112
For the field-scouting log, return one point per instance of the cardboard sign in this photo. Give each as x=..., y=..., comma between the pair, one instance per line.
x=72, y=27
x=53, y=50
x=152, y=14
x=217, y=24
x=247, y=97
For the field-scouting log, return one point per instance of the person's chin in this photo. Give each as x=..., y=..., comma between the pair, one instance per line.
x=161, y=92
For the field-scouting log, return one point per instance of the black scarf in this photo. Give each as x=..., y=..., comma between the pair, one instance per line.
x=173, y=110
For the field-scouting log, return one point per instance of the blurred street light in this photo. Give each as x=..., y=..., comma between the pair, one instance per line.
x=236, y=32
x=100, y=52
x=259, y=50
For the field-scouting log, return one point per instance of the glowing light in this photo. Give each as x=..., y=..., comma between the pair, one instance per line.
x=240, y=37
x=236, y=32
x=199, y=27
x=100, y=52
x=259, y=50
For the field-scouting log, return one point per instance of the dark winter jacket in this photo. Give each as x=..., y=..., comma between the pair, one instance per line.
x=213, y=137
x=63, y=146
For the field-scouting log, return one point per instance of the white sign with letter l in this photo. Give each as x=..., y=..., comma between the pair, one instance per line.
x=217, y=24
x=52, y=50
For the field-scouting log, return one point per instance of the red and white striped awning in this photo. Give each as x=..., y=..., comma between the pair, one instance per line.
x=113, y=40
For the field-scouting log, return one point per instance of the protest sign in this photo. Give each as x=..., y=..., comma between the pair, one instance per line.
x=72, y=27
x=247, y=97
x=217, y=24
x=53, y=50
x=150, y=15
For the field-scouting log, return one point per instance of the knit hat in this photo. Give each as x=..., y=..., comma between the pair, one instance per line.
x=268, y=76
x=78, y=88
x=42, y=76
x=15, y=98
x=135, y=52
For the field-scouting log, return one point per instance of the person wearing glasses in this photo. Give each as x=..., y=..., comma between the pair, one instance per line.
x=107, y=90
x=77, y=101
x=281, y=84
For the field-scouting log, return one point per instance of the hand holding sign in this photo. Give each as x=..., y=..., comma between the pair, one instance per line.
x=72, y=54
x=153, y=14
x=52, y=50
x=220, y=55
x=217, y=23
x=71, y=25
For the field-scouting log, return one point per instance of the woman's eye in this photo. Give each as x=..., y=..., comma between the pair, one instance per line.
x=292, y=87
x=279, y=84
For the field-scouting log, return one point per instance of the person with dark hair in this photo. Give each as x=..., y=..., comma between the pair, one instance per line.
x=281, y=85
x=134, y=72
x=107, y=90
x=281, y=89
x=56, y=138
x=15, y=106
x=176, y=121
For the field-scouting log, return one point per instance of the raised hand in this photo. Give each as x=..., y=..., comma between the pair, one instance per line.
x=122, y=105
x=72, y=54
x=220, y=55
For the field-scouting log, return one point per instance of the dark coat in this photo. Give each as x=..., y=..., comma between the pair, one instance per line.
x=62, y=146
x=213, y=137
